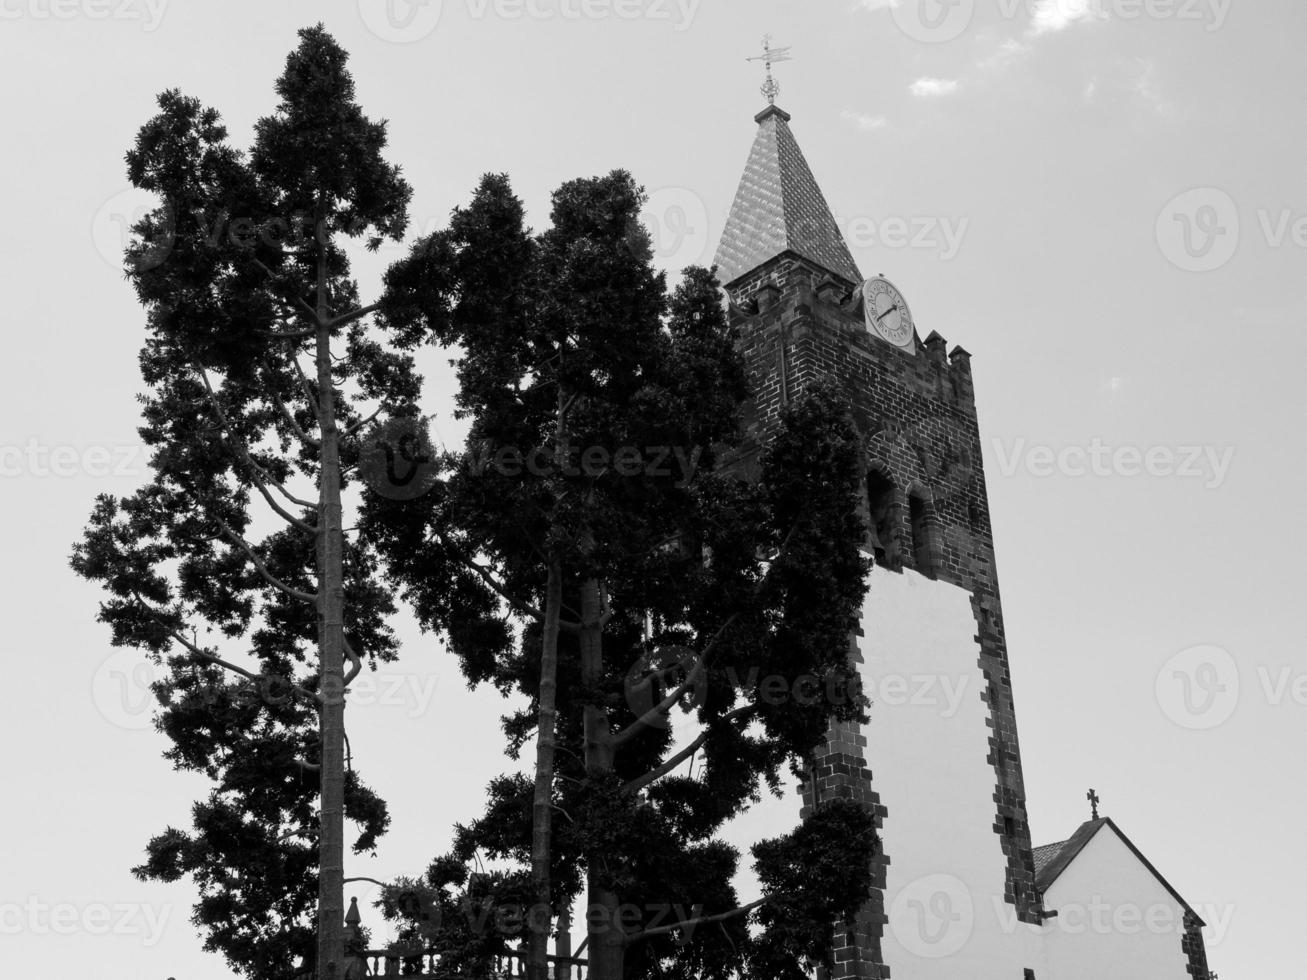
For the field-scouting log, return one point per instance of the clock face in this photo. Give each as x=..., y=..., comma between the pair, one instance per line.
x=887, y=313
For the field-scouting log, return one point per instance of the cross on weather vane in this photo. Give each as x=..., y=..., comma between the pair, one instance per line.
x=770, y=56
x=1093, y=799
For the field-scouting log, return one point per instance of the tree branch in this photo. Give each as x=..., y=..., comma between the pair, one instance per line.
x=289, y=416
x=358, y=314
x=356, y=665
x=660, y=709
x=691, y=678
x=312, y=313
x=702, y=920
x=261, y=477
x=240, y=542
x=497, y=587
x=202, y=654
x=362, y=422
x=640, y=782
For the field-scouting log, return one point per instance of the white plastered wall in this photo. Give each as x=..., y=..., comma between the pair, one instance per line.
x=1115, y=919
x=928, y=747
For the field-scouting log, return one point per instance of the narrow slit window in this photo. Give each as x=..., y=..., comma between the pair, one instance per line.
x=923, y=552
x=881, y=525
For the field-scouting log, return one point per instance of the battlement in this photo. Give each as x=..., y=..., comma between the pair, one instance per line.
x=925, y=503
x=794, y=294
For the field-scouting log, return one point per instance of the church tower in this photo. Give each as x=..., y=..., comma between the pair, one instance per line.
x=939, y=763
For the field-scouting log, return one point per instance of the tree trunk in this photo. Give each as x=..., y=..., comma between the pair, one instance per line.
x=331, y=653
x=607, y=942
x=537, y=963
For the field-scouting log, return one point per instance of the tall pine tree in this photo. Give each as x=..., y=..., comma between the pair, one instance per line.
x=605, y=504
x=232, y=568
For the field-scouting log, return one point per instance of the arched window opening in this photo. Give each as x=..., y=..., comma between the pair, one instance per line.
x=924, y=555
x=882, y=522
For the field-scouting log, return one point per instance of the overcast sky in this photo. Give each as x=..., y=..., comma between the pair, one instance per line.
x=1105, y=204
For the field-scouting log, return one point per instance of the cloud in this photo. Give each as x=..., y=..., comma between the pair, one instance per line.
x=1053, y=16
x=1145, y=86
x=863, y=121
x=1008, y=52
x=931, y=88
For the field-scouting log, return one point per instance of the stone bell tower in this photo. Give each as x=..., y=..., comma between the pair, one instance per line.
x=939, y=763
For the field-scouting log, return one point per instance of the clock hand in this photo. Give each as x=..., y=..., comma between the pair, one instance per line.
x=892, y=309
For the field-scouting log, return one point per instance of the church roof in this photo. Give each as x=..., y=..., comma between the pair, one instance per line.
x=1052, y=859
x=1045, y=854
x=780, y=208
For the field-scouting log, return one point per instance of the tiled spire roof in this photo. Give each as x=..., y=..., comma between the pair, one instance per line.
x=780, y=208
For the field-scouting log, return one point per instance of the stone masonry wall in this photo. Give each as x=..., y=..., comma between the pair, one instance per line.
x=917, y=418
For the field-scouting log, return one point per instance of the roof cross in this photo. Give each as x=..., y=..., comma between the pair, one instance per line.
x=770, y=56
x=1092, y=797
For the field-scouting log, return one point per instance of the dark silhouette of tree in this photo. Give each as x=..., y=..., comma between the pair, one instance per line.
x=233, y=568
x=614, y=546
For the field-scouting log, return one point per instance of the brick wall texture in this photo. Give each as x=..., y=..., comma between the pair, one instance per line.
x=917, y=419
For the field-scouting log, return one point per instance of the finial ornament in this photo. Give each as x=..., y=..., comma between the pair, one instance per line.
x=770, y=56
x=1092, y=797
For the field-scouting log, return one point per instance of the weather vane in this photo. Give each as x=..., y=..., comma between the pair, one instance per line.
x=770, y=56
